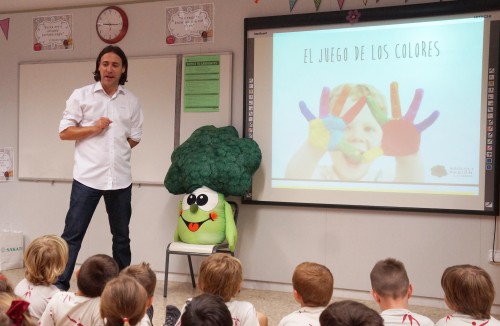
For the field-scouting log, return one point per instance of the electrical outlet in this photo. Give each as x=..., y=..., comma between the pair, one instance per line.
x=495, y=258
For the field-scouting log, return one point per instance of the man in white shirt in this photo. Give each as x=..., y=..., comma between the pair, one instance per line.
x=105, y=121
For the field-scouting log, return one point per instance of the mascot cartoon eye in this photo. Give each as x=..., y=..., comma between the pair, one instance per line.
x=191, y=199
x=205, y=198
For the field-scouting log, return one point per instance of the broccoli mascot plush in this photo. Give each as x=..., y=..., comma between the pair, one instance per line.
x=211, y=164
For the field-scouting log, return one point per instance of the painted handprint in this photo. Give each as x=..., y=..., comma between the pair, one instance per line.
x=326, y=130
x=401, y=136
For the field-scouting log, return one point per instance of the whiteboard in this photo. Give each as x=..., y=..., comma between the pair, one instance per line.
x=156, y=81
x=43, y=91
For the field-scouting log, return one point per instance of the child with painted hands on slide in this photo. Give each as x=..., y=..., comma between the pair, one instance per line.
x=364, y=144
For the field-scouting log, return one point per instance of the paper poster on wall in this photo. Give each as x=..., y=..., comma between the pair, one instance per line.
x=190, y=24
x=6, y=164
x=52, y=33
x=202, y=83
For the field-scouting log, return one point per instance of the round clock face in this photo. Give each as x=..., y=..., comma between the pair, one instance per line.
x=112, y=24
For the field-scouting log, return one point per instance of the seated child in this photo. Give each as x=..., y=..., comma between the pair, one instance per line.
x=469, y=292
x=147, y=278
x=349, y=313
x=82, y=307
x=312, y=289
x=207, y=310
x=222, y=275
x=392, y=289
x=14, y=311
x=123, y=302
x=44, y=259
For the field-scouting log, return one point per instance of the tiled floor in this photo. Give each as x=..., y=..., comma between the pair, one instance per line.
x=274, y=304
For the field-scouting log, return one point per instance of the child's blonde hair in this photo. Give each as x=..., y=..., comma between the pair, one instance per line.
x=123, y=302
x=468, y=290
x=220, y=274
x=18, y=315
x=389, y=279
x=45, y=259
x=144, y=275
x=314, y=283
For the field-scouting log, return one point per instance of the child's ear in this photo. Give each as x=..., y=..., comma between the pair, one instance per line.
x=297, y=296
x=375, y=296
x=410, y=290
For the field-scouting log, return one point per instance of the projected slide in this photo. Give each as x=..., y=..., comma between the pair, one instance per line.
x=392, y=113
x=436, y=66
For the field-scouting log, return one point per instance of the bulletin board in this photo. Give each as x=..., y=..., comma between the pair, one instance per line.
x=156, y=81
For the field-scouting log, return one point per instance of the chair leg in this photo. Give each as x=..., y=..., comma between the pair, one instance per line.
x=165, y=285
x=191, y=270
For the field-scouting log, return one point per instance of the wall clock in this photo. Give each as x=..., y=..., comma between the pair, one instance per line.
x=112, y=24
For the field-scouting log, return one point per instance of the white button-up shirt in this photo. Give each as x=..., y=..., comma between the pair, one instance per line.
x=103, y=161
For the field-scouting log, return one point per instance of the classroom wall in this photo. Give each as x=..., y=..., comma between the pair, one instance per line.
x=272, y=239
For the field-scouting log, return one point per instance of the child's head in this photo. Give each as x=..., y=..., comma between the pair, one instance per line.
x=5, y=285
x=144, y=275
x=208, y=310
x=220, y=274
x=468, y=290
x=390, y=280
x=313, y=283
x=123, y=301
x=94, y=273
x=363, y=133
x=45, y=259
x=14, y=311
x=349, y=313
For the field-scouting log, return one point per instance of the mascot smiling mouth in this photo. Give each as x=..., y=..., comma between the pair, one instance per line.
x=194, y=226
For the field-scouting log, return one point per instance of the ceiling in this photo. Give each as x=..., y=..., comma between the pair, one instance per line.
x=12, y=6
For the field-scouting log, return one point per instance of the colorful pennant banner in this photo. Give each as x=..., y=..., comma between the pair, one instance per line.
x=4, y=25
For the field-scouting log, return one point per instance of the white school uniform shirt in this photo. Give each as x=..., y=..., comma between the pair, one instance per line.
x=103, y=161
x=457, y=319
x=305, y=316
x=404, y=317
x=69, y=309
x=242, y=312
x=37, y=295
x=145, y=321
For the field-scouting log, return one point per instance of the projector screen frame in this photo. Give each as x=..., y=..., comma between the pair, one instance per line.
x=370, y=15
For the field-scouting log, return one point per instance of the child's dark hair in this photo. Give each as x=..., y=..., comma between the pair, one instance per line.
x=123, y=302
x=119, y=52
x=389, y=278
x=208, y=310
x=94, y=273
x=349, y=313
x=468, y=290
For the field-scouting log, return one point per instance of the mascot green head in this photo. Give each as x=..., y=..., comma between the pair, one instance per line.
x=211, y=164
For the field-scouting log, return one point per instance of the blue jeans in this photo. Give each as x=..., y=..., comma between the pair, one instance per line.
x=83, y=203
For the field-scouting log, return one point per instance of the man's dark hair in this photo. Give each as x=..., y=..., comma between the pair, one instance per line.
x=119, y=52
